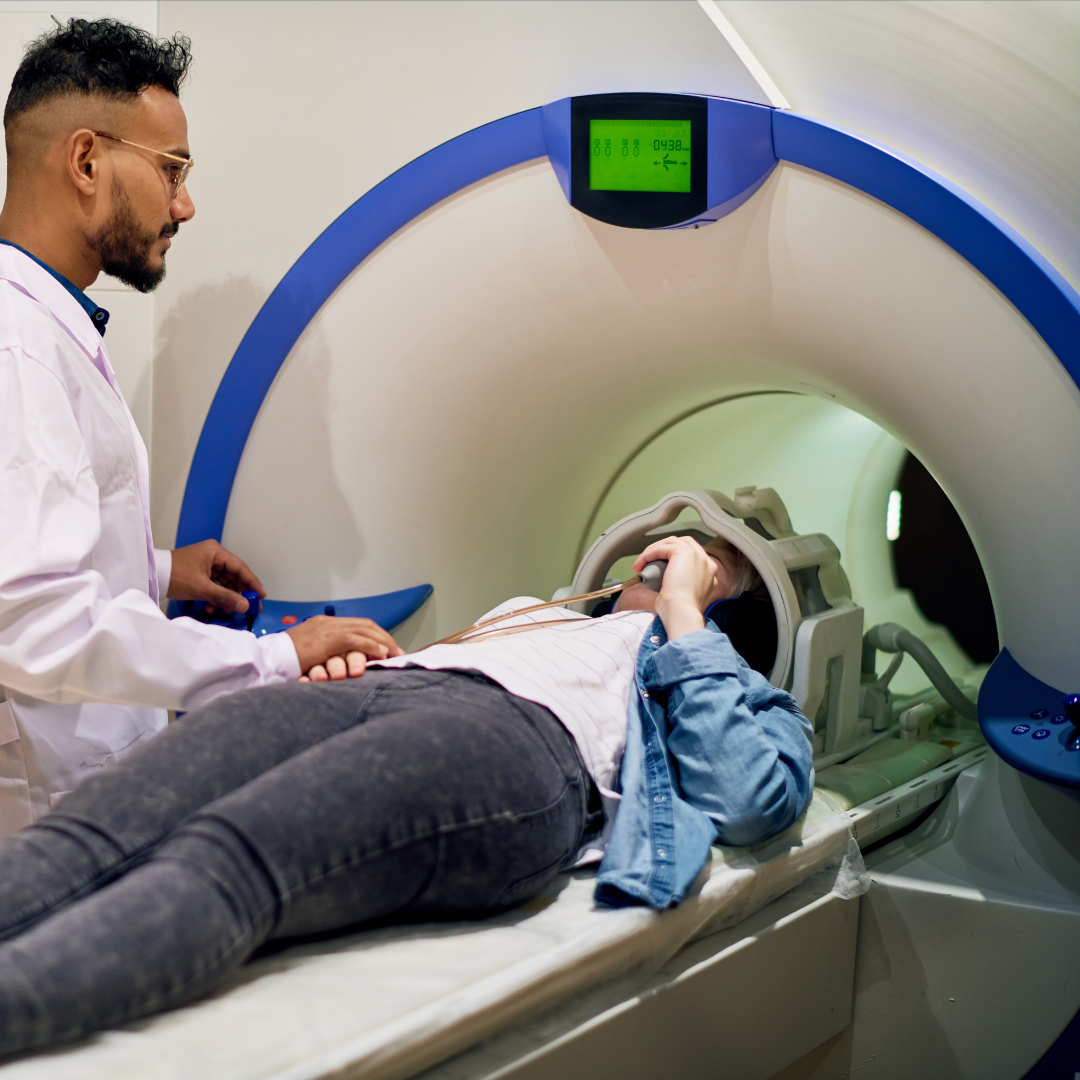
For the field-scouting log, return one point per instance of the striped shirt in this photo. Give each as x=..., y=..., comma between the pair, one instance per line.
x=581, y=669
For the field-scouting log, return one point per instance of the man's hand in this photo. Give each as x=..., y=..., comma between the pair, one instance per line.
x=208, y=572
x=333, y=648
x=688, y=583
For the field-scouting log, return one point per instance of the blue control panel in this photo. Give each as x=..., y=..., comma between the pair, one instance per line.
x=389, y=610
x=1030, y=724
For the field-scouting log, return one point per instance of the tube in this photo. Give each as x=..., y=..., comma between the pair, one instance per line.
x=892, y=637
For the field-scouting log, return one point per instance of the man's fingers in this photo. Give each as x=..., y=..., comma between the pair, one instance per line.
x=362, y=635
x=336, y=669
x=371, y=647
x=207, y=571
x=372, y=631
x=318, y=639
x=217, y=596
x=232, y=566
x=318, y=674
x=356, y=663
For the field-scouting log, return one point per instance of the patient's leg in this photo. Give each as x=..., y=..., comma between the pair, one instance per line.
x=115, y=819
x=450, y=798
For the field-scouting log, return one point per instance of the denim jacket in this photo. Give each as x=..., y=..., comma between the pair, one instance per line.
x=714, y=754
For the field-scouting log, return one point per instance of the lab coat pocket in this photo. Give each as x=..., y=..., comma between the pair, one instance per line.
x=9, y=730
x=15, y=809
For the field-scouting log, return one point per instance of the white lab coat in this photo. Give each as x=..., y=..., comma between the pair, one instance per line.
x=88, y=663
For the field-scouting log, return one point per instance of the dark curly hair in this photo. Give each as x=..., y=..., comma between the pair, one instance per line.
x=101, y=57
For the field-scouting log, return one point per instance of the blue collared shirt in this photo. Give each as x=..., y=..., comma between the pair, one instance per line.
x=98, y=315
x=714, y=754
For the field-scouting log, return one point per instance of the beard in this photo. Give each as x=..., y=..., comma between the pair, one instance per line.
x=124, y=246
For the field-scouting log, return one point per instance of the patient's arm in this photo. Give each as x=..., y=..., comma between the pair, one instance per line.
x=742, y=747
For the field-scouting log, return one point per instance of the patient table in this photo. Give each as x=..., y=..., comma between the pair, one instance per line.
x=553, y=982
x=752, y=971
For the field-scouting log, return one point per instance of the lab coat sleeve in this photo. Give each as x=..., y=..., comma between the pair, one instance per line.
x=163, y=566
x=63, y=636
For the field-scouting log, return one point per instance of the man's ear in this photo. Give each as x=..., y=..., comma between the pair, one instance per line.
x=83, y=159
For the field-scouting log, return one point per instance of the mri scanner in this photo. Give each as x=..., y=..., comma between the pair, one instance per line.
x=542, y=379
x=789, y=256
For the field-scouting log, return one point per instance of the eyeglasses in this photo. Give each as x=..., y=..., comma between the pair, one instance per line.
x=178, y=174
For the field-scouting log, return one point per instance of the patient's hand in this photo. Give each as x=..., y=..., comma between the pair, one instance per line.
x=336, y=648
x=350, y=666
x=689, y=582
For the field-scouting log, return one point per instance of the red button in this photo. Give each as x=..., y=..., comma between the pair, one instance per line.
x=288, y=620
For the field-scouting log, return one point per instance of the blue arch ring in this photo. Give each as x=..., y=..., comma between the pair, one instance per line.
x=997, y=251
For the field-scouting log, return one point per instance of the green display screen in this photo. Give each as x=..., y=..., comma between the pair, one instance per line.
x=639, y=155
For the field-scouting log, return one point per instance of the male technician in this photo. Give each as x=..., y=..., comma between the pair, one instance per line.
x=97, y=160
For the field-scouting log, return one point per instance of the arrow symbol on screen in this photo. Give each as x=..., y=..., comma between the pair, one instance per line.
x=668, y=161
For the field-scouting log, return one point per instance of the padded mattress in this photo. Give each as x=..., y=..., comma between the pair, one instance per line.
x=387, y=1003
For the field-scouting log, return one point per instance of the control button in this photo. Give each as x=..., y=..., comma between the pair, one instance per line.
x=289, y=620
x=1020, y=729
x=1071, y=702
x=329, y=609
x=1042, y=733
x=1059, y=719
x=1038, y=714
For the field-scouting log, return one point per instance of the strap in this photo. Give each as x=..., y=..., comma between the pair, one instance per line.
x=484, y=635
x=458, y=636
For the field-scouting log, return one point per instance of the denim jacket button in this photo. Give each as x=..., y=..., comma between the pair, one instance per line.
x=658, y=798
x=644, y=693
x=661, y=854
x=655, y=639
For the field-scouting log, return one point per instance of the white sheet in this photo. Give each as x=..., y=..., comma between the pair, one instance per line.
x=385, y=1004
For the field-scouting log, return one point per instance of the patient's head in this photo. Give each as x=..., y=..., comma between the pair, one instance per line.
x=735, y=574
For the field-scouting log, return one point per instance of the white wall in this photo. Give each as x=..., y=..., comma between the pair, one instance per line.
x=130, y=336
x=988, y=94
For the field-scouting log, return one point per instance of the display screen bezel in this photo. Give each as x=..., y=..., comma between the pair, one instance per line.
x=638, y=209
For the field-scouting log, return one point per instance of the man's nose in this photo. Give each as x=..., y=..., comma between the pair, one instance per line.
x=182, y=208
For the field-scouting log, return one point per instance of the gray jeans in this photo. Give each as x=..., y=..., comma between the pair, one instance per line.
x=273, y=814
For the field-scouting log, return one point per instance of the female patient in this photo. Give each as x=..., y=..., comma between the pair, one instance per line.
x=452, y=782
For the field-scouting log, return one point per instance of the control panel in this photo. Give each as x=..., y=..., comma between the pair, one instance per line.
x=1030, y=724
